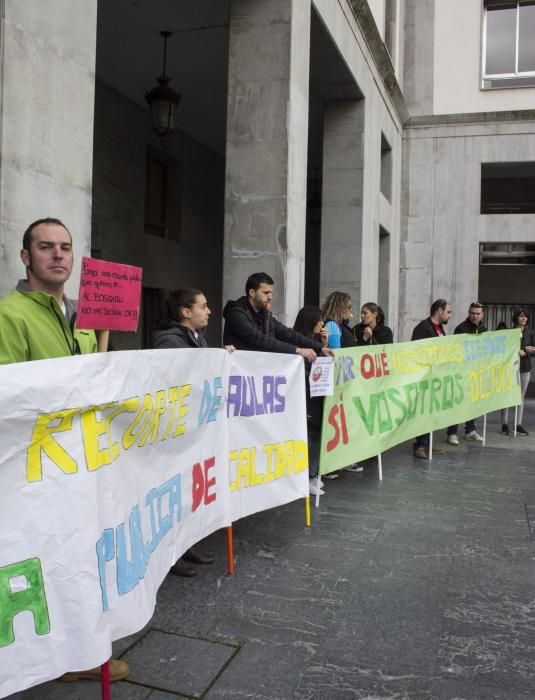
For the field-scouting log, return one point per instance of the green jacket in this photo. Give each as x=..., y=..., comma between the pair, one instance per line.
x=33, y=327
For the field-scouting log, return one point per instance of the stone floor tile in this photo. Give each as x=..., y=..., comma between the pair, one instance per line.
x=175, y=663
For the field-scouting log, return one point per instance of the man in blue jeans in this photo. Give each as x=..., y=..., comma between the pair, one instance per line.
x=474, y=325
x=431, y=327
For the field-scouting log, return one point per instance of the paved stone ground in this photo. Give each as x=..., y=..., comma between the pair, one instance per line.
x=421, y=586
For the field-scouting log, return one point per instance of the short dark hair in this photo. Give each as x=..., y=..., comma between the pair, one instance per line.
x=173, y=302
x=520, y=312
x=255, y=280
x=476, y=305
x=438, y=304
x=27, y=236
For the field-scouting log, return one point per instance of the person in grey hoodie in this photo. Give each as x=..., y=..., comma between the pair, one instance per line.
x=185, y=315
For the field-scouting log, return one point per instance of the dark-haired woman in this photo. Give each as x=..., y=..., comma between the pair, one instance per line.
x=308, y=322
x=527, y=348
x=372, y=330
x=185, y=315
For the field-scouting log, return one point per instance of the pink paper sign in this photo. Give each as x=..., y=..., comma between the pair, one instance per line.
x=109, y=296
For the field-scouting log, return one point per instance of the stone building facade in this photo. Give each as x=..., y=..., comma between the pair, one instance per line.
x=335, y=144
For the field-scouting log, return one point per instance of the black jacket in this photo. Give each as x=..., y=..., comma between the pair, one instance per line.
x=382, y=335
x=468, y=327
x=248, y=330
x=426, y=329
x=177, y=336
x=527, y=338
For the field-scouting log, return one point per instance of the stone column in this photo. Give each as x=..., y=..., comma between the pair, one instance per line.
x=267, y=133
x=341, y=201
x=46, y=124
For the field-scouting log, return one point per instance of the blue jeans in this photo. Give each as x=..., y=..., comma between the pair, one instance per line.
x=422, y=441
x=469, y=427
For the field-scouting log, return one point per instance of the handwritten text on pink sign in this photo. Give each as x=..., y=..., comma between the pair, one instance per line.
x=109, y=296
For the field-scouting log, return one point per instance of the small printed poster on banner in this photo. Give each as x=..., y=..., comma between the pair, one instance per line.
x=109, y=297
x=321, y=377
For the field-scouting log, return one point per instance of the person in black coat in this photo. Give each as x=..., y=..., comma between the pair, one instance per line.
x=185, y=315
x=308, y=322
x=250, y=325
x=527, y=349
x=372, y=330
x=474, y=325
x=431, y=327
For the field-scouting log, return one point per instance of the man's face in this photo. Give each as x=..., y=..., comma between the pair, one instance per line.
x=475, y=314
x=49, y=260
x=260, y=298
x=445, y=314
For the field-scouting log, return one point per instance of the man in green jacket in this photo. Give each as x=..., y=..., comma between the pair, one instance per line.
x=38, y=322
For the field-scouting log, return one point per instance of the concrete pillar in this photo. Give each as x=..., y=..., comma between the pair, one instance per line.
x=46, y=123
x=418, y=58
x=267, y=133
x=341, y=201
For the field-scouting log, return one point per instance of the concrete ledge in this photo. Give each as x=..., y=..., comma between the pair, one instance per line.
x=469, y=118
x=381, y=57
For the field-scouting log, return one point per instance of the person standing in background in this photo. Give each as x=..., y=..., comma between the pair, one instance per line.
x=473, y=325
x=308, y=322
x=372, y=330
x=431, y=327
x=336, y=313
x=527, y=349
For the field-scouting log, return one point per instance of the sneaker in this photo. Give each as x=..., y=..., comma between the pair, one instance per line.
x=354, y=468
x=473, y=435
x=505, y=429
x=332, y=475
x=521, y=431
x=314, y=489
x=453, y=439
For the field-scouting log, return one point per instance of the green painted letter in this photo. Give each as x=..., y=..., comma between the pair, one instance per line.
x=32, y=598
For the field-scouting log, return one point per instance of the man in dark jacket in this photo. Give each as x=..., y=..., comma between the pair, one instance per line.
x=249, y=324
x=431, y=327
x=474, y=325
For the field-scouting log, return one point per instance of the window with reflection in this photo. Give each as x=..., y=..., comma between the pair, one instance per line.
x=509, y=43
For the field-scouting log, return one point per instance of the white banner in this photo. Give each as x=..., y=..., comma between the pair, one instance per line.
x=111, y=466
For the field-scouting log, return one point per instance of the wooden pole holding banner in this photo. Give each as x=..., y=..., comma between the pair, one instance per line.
x=105, y=688
x=430, y=448
x=230, y=551
x=103, y=341
x=516, y=420
x=307, y=511
x=105, y=681
x=380, y=466
x=484, y=429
